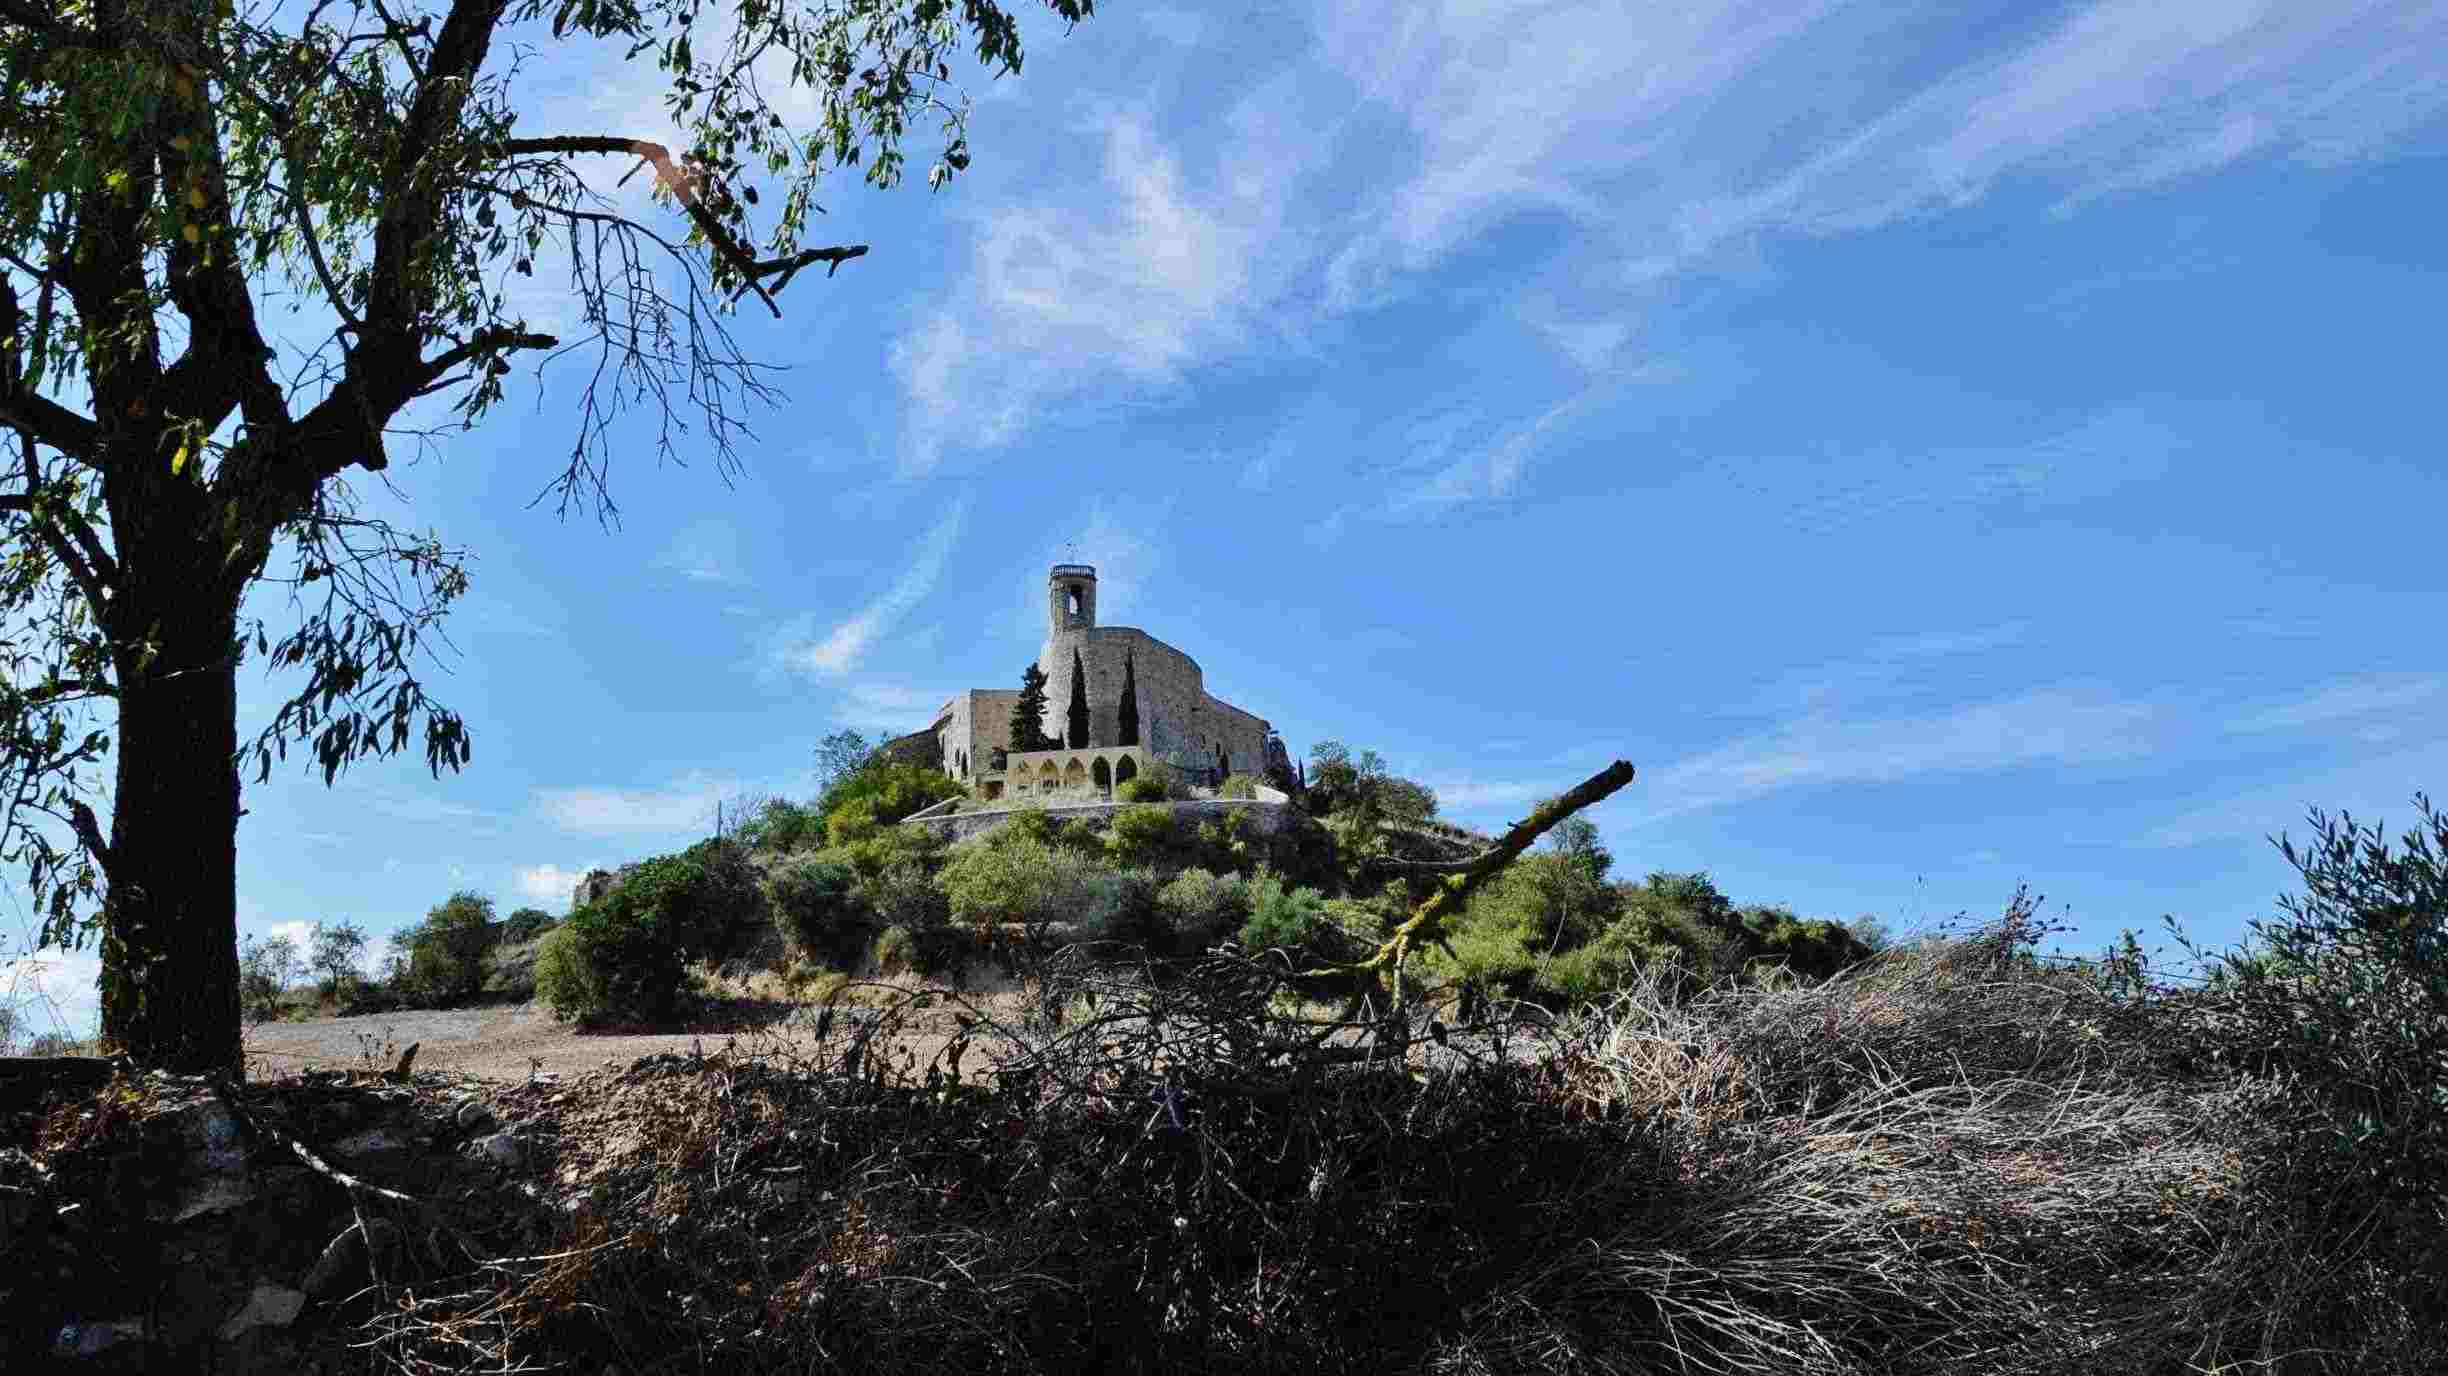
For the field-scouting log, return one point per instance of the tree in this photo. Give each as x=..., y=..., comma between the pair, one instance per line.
x=445, y=952
x=175, y=163
x=334, y=954
x=840, y=756
x=1077, y=718
x=266, y=967
x=1028, y=714
x=1127, y=722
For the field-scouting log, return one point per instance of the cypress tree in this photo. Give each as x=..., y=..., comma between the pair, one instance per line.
x=1130, y=701
x=1028, y=715
x=1079, y=704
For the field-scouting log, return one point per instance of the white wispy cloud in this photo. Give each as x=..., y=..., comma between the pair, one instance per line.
x=2072, y=725
x=1470, y=795
x=706, y=551
x=841, y=649
x=548, y=882
x=2348, y=703
x=1881, y=670
x=1158, y=266
x=686, y=804
x=1675, y=140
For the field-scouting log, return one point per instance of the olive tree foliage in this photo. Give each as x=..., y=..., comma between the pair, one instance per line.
x=175, y=169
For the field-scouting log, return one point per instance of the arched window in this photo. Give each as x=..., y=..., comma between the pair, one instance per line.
x=1074, y=601
x=1102, y=777
x=1075, y=776
x=1125, y=771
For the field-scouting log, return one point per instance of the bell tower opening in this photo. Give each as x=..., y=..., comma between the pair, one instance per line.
x=1070, y=598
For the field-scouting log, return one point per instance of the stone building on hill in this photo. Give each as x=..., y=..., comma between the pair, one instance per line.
x=1117, y=698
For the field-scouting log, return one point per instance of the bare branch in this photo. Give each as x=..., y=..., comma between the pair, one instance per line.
x=682, y=184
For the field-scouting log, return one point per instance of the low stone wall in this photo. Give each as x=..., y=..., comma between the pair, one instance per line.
x=1262, y=818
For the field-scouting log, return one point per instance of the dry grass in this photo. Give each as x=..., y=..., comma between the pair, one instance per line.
x=1940, y=1164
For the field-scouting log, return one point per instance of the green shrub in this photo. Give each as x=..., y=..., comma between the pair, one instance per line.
x=896, y=950
x=1122, y=906
x=880, y=794
x=817, y=910
x=1141, y=834
x=1141, y=788
x=1238, y=786
x=444, y=953
x=526, y=924
x=1202, y=907
x=633, y=945
x=781, y=826
x=2349, y=994
x=630, y=964
x=887, y=848
x=562, y=980
x=1008, y=875
x=906, y=897
x=1283, y=918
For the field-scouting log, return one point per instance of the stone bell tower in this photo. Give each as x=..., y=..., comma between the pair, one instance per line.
x=1070, y=598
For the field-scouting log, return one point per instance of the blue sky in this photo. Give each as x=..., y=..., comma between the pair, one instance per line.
x=1941, y=446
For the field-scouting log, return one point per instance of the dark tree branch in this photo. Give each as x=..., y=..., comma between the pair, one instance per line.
x=27, y=411
x=89, y=834
x=683, y=186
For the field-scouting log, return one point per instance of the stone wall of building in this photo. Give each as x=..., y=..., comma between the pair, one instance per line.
x=1178, y=719
x=1261, y=817
x=972, y=726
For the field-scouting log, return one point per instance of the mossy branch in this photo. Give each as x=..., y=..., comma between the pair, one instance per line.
x=1427, y=921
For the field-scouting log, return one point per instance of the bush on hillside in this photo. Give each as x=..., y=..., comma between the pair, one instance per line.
x=633, y=944
x=1238, y=786
x=564, y=981
x=1121, y=906
x=1283, y=918
x=880, y=795
x=1141, y=788
x=441, y=958
x=2349, y=995
x=1009, y=875
x=1201, y=907
x=1141, y=834
x=817, y=910
x=906, y=898
x=781, y=826
x=527, y=924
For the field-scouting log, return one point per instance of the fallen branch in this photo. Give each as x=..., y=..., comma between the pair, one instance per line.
x=1427, y=921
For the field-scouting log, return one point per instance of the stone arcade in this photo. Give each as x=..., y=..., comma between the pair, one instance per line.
x=1116, y=697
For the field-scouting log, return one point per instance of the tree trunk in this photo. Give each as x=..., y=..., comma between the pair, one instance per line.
x=170, y=924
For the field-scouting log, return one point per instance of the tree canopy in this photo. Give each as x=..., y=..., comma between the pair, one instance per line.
x=175, y=168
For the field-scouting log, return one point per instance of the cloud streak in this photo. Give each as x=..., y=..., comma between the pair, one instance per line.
x=686, y=805
x=841, y=650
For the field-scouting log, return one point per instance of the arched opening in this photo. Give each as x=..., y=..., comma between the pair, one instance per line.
x=1073, y=599
x=1075, y=776
x=1126, y=771
x=1047, y=778
x=1102, y=778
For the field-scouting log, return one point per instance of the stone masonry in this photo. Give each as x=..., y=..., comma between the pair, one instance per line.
x=1178, y=721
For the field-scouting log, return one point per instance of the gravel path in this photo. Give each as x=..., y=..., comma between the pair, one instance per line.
x=504, y=1043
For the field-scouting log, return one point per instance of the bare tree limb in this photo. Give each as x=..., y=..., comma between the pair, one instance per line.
x=683, y=186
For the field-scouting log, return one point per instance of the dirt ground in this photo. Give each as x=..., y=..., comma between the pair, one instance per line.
x=512, y=1042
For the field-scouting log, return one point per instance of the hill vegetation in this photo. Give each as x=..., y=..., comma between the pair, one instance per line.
x=834, y=886
x=1614, y=1126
